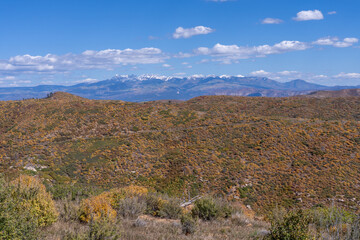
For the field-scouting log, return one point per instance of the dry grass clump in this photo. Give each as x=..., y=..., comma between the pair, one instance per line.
x=131, y=207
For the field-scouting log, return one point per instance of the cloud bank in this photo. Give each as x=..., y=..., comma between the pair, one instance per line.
x=105, y=59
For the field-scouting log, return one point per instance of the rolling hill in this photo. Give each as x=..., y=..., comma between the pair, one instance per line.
x=291, y=151
x=340, y=93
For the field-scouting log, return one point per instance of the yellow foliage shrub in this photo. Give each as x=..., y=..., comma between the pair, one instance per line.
x=32, y=196
x=97, y=208
x=103, y=205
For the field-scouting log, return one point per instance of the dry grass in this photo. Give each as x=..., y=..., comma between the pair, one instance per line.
x=171, y=229
x=155, y=229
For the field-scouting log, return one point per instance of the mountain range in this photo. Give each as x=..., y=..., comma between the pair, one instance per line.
x=153, y=87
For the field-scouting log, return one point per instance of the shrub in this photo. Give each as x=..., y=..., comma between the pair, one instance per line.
x=225, y=209
x=68, y=209
x=117, y=194
x=171, y=209
x=15, y=221
x=154, y=203
x=326, y=217
x=97, y=208
x=206, y=209
x=188, y=224
x=97, y=230
x=103, y=229
x=103, y=206
x=33, y=197
x=24, y=206
x=131, y=207
x=293, y=226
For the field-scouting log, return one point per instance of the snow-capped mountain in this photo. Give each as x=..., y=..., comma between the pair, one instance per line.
x=158, y=87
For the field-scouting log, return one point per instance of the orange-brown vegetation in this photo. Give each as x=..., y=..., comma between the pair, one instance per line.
x=261, y=151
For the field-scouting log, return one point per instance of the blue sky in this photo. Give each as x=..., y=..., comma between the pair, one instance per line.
x=68, y=42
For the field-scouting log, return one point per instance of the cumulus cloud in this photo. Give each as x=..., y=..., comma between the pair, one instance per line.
x=105, y=59
x=348, y=75
x=271, y=21
x=309, y=15
x=181, y=32
x=336, y=42
x=231, y=53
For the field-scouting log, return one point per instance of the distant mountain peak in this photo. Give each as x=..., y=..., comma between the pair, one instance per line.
x=150, y=87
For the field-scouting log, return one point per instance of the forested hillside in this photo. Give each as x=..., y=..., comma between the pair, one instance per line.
x=261, y=151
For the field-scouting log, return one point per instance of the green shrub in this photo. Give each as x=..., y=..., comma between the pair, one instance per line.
x=326, y=217
x=15, y=222
x=103, y=230
x=206, y=209
x=32, y=196
x=225, y=209
x=24, y=207
x=171, y=209
x=188, y=224
x=293, y=226
x=154, y=203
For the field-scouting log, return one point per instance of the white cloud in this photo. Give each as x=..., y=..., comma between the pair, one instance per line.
x=326, y=41
x=320, y=76
x=105, y=59
x=348, y=75
x=335, y=42
x=288, y=73
x=260, y=73
x=309, y=15
x=181, y=32
x=230, y=53
x=7, y=78
x=219, y=0
x=332, y=12
x=271, y=21
x=166, y=65
x=87, y=80
x=283, y=76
